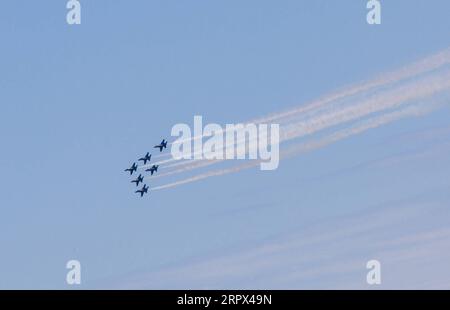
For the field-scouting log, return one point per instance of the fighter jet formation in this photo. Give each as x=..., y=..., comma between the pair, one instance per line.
x=154, y=168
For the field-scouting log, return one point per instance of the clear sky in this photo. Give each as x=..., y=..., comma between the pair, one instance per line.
x=80, y=103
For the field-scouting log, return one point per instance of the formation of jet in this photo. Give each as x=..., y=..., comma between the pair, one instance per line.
x=161, y=146
x=153, y=169
x=132, y=169
x=140, y=179
x=142, y=191
x=146, y=158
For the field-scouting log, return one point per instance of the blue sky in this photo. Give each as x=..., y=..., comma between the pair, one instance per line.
x=80, y=103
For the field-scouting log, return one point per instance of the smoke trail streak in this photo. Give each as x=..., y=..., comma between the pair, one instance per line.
x=196, y=164
x=419, y=67
x=377, y=103
x=384, y=101
x=160, y=155
x=416, y=110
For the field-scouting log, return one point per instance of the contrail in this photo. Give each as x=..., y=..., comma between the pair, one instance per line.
x=419, y=67
x=193, y=165
x=428, y=64
x=362, y=126
x=413, y=110
x=378, y=102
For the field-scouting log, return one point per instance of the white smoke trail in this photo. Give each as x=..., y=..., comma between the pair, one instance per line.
x=377, y=103
x=415, y=110
x=193, y=165
x=428, y=64
x=419, y=67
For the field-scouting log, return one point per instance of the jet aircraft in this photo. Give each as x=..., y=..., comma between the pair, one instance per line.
x=132, y=168
x=140, y=179
x=161, y=146
x=143, y=190
x=153, y=169
x=146, y=158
